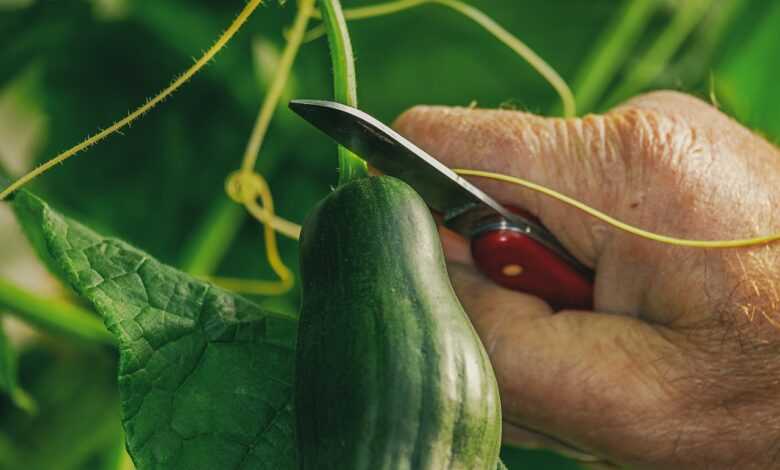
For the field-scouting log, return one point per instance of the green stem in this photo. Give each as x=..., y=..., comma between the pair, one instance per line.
x=53, y=315
x=344, y=82
x=610, y=52
x=213, y=238
x=689, y=15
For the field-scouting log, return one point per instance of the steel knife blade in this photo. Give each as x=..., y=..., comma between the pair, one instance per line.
x=443, y=190
x=466, y=208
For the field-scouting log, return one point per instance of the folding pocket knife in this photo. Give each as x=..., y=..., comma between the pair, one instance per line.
x=508, y=245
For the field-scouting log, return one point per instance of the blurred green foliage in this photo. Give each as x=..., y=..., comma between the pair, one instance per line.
x=77, y=425
x=84, y=64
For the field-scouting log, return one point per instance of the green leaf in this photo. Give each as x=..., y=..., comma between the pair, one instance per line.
x=205, y=376
x=344, y=82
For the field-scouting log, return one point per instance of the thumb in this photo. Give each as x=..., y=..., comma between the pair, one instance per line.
x=573, y=156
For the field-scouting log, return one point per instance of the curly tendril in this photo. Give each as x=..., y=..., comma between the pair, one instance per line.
x=246, y=187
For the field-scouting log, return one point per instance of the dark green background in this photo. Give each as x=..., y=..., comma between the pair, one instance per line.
x=156, y=184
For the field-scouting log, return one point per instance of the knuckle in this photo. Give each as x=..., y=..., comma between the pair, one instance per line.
x=411, y=119
x=597, y=143
x=669, y=100
x=664, y=150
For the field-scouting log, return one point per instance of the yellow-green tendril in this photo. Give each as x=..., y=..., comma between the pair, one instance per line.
x=617, y=223
x=196, y=67
x=511, y=41
x=246, y=186
x=294, y=40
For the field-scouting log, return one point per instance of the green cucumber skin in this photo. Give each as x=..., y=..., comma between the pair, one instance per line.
x=390, y=372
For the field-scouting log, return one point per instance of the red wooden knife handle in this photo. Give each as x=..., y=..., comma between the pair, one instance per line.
x=514, y=260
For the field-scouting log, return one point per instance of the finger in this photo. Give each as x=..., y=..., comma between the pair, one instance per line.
x=528, y=439
x=487, y=303
x=665, y=162
x=456, y=248
x=591, y=380
x=576, y=156
x=583, y=378
x=637, y=155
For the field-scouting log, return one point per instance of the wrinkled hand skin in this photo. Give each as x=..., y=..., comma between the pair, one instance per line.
x=679, y=364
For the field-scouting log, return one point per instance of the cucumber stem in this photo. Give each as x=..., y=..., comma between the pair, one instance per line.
x=344, y=82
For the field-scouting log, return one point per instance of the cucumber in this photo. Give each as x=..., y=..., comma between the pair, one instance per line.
x=390, y=372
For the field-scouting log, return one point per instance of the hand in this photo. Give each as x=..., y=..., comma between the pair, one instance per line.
x=679, y=364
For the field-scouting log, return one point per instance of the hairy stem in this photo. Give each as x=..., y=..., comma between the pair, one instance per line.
x=344, y=81
x=119, y=125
